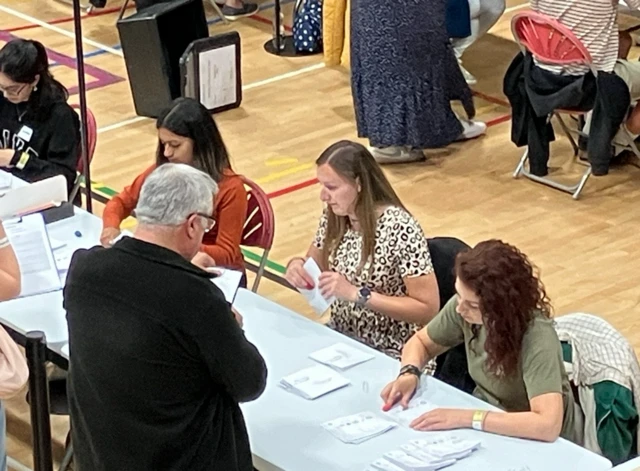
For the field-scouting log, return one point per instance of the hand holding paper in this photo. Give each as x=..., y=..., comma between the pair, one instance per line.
x=313, y=295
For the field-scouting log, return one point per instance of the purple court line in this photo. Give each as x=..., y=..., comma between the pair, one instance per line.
x=103, y=78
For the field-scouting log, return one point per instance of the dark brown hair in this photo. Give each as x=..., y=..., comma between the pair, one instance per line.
x=355, y=163
x=510, y=294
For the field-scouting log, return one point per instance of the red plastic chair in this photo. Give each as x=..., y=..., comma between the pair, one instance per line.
x=552, y=43
x=92, y=138
x=259, y=226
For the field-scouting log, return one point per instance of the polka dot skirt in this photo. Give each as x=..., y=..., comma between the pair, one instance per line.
x=307, y=26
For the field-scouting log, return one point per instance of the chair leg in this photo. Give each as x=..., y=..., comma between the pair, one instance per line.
x=68, y=457
x=520, y=166
x=263, y=263
x=568, y=133
x=583, y=182
x=122, y=10
x=219, y=11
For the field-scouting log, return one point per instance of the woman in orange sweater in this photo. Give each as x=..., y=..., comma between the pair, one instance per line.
x=188, y=134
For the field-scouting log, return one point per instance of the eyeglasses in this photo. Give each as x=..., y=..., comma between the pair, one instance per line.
x=13, y=90
x=210, y=221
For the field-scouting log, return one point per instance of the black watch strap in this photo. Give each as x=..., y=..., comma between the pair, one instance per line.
x=410, y=369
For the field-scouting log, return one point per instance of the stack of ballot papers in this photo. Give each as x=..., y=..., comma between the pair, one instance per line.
x=311, y=383
x=447, y=446
x=358, y=428
x=417, y=406
x=426, y=455
x=340, y=356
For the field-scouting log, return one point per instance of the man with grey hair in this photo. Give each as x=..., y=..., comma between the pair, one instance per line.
x=158, y=364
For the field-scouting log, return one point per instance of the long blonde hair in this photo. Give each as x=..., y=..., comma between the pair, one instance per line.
x=355, y=163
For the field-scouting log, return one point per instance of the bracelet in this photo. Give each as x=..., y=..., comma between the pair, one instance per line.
x=294, y=259
x=477, y=422
x=410, y=369
x=4, y=242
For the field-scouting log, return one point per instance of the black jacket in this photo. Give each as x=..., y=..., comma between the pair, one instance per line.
x=158, y=364
x=534, y=93
x=53, y=147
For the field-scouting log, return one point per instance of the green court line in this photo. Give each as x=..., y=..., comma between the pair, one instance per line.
x=254, y=257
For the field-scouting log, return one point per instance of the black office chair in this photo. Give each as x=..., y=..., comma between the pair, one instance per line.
x=451, y=366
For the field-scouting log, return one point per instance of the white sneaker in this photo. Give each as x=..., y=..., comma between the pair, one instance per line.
x=471, y=129
x=396, y=155
x=471, y=80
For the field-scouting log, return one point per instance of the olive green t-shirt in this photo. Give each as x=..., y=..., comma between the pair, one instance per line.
x=541, y=369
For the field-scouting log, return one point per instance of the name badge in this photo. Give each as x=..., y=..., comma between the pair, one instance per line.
x=25, y=133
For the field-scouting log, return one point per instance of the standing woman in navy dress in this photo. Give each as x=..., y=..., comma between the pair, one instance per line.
x=404, y=75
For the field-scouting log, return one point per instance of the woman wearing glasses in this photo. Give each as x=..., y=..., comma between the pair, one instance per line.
x=39, y=131
x=187, y=134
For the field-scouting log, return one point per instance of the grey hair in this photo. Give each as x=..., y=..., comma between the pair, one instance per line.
x=173, y=192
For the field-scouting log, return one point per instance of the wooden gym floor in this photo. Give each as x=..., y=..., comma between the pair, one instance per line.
x=588, y=250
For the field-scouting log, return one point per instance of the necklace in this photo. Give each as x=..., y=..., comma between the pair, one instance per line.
x=20, y=114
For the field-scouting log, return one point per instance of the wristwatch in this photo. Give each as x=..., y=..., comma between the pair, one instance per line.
x=364, y=294
x=410, y=369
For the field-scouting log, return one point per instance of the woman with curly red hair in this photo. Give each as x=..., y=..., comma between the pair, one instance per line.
x=502, y=315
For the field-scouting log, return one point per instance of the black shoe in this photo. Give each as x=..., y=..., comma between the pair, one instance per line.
x=233, y=14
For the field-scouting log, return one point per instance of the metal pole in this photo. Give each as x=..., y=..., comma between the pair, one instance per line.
x=36, y=352
x=277, y=26
x=82, y=93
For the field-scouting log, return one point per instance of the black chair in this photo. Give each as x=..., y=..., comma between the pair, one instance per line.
x=451, y=366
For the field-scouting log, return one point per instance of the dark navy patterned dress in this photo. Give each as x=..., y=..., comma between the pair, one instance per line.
x=404, y=74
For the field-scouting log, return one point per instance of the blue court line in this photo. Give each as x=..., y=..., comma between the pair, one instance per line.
x=99, y=52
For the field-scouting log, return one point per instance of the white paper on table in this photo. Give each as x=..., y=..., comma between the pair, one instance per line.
x=122, y=235
x=358, y=428
x=62, y=257
x=227, y=280
x=30, y=242
x=6, y=180
x=56, y=244
x=340, y=356
x=408, y=462
x=423, y=455
x=417, y=406
x=34, y=197
x=218, y=76
x=383, y=465
x=314, y=297
x=448, y=446
x=313, y=382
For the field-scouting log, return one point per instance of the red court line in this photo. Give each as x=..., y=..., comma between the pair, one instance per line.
x=299, y=186
x=262, y=19
x=67, y=19
x=491, y=99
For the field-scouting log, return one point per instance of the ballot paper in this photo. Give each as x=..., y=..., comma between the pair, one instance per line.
x=227, y=280
x=122, y=235
x=313, y=295
x=417, y=406
x=358, y=428
x=383, y=465
x=447, y=446
x=410, y=463
x=313, y=382
x=340, y=356
x=422, y=455
x=5, y=181
x=30, y=242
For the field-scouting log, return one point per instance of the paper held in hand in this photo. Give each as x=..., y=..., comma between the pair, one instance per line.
x=313, y=295
x=313, y=382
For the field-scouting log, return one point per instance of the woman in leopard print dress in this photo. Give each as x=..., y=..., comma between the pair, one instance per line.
x=373, y=254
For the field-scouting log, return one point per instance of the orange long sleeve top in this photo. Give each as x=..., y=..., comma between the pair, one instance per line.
x=222, y=243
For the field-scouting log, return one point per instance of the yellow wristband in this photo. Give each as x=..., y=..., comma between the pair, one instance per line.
x=24, y=158
x=478, y=419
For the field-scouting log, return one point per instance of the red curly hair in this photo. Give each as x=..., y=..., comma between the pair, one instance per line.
x=510, y=295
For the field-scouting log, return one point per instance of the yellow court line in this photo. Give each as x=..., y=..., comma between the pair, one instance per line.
x=280, y=161
x=290, y=171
